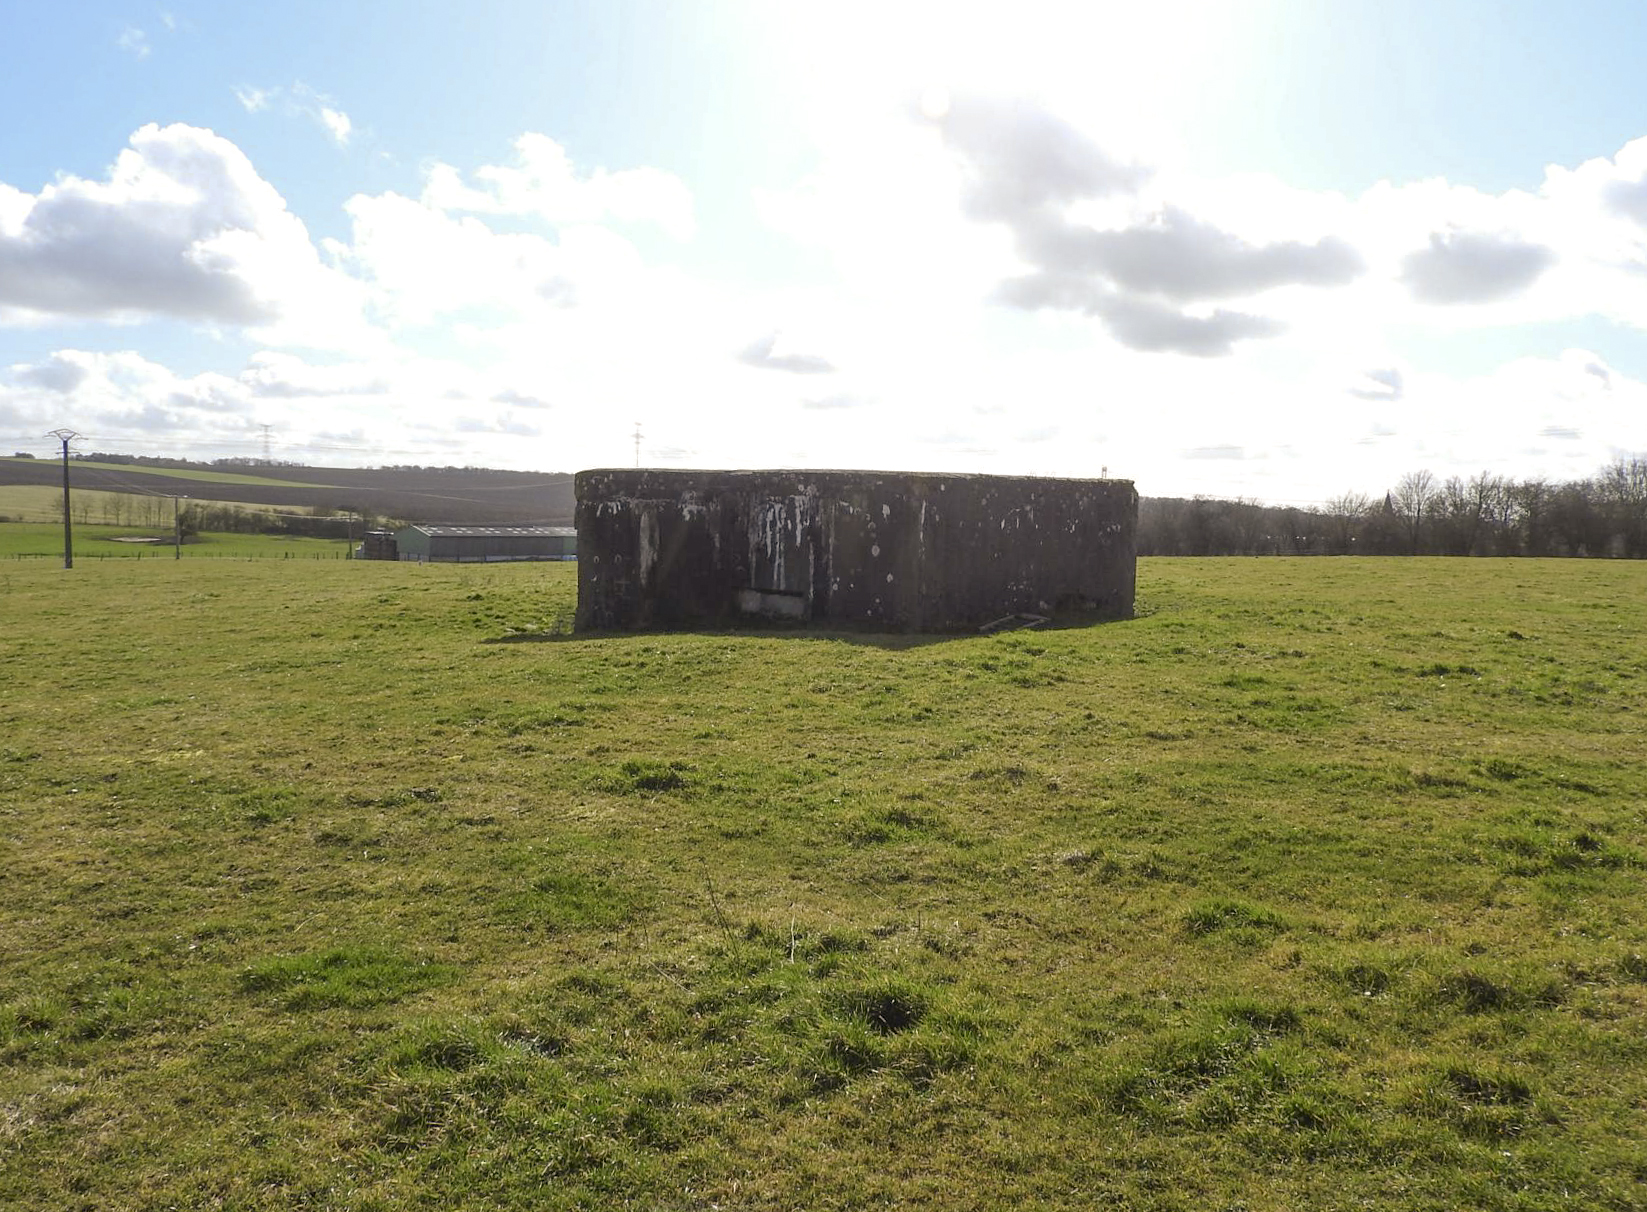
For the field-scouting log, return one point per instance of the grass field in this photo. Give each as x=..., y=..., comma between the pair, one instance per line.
x=357, y=885
x=44, y=503
x=32, y=541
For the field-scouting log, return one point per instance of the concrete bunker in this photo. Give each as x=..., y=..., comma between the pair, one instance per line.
x=894, y=551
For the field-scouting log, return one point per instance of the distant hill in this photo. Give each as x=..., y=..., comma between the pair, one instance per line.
x=453, y=495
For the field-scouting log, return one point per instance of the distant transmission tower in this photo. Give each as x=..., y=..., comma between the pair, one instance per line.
x=637, y=443
x=268, y=444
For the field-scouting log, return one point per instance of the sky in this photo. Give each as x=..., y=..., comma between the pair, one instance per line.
x=1280, y=250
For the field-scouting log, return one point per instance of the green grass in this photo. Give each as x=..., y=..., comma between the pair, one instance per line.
x=358, y=885
x=175, y=473
x=96, y=542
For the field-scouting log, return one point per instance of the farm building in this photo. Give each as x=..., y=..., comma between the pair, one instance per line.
x=892, y=550
x=485, y=544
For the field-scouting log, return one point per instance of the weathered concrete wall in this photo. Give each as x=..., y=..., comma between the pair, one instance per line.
x=897, y=551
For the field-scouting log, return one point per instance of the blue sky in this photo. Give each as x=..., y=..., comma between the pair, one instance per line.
x=1282, y=249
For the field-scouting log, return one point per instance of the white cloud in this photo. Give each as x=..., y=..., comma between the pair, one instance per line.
x=519, y=399
x=1028, y=210
x=1473, y=267
x=182, y=227
x=124, y=394
x=1022, y=160
x=1063, y=219
x=1070, y=413
x=285, y=376
x=300, y=101
x=159, y=235
x=544, y=183
x=1227, y=335
x=134, y=42
x=61, y=373
x=827, y=403
x=124, y=399
x=254, y=99
x=337, y=124
x=421, y=263
x=1095, y=244
x=1173, y=255
x=765, y=353
x=503, y=423
x=1384, y=384
x=1618, y=184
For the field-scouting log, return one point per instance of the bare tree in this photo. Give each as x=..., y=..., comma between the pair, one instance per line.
x=1345, y=515
x=1578, y=518
x=1465, y=513
x=1413, y=498
x=1299, y=530
x=1623, y=488
x=1486, y=514
x=1532, y=507
x=1250, y=521
x=1450, y=517
x=1480, y=493
x=1496, y=495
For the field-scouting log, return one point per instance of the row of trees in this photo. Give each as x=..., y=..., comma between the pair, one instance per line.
x=116, y=509
x=124, y=509
x=156, y=513
x=236, y=463
x=316, y=523
x=1486, y=514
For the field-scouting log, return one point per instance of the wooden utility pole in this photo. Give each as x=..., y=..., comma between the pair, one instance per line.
x=66, y=436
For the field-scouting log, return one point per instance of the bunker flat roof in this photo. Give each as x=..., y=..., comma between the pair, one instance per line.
x=496, y=531
x=739, y=475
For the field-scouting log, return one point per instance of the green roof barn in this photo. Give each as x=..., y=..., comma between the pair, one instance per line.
x=486, y=544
